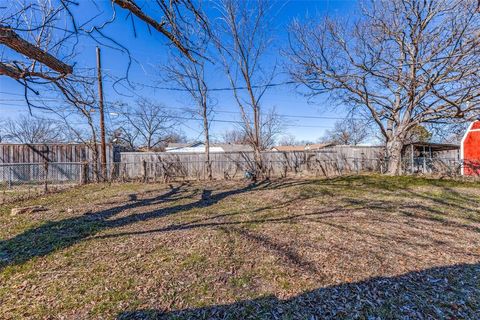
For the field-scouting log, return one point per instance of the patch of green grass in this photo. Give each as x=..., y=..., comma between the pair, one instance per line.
x=241, y=281
x=194, y=260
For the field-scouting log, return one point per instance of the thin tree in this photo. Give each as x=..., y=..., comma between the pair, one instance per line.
x=243, y=41
x=271, y=127
x=407, y=62
x=191, y=76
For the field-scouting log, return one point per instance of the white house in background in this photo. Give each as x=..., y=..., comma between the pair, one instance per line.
x=199, y=147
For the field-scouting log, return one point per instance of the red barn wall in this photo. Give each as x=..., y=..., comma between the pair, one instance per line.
x=471, y=150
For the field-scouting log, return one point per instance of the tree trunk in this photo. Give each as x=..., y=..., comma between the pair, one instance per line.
x=208, y=164
x=394, y=155
x=259, y=172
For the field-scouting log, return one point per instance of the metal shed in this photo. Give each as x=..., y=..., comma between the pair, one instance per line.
x=425, y=157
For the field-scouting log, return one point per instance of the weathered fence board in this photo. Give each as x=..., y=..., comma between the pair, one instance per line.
x=39, y=153
x=230, y=165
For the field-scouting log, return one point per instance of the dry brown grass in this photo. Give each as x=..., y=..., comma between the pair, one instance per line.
x=349, y=247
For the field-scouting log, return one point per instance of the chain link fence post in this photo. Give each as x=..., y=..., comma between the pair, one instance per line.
x=45, y=179
x=144, y=170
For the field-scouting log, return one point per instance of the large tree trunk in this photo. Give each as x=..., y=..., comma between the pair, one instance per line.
x=259, y=172
x=394, y=155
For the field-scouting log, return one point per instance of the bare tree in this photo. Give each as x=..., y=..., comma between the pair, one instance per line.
x=291, y=140
x=27, y=129
x=148, y=124
x=243, y=41
x=271, y=127
x=408, y=62
x=191, y=76
x=235, y=136
x=348, y=131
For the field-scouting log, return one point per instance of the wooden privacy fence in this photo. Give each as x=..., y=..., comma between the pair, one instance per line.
x=51, y=152
x=233, y=165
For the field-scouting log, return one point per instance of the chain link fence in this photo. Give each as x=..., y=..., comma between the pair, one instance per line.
x=22, y=180
x=43, y=177
x=447, y=167
x=48, y=173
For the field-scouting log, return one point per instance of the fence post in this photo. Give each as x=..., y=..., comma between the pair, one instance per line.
x=45, y=179
x=412, y=163
x=144, y=170
x=9, y=181
x=84, y=173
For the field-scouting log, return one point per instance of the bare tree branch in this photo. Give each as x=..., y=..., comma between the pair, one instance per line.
x=174, y=24
x=9, y=38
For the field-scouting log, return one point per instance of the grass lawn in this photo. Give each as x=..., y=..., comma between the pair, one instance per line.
x=366, y=247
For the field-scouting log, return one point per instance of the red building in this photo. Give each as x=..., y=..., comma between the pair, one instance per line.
x=470, y=150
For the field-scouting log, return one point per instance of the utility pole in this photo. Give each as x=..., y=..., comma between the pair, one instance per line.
x=102, y=118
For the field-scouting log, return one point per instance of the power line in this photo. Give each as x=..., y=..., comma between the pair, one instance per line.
x=225, y=120
x=213, y=120
x=193, y=110
x=268, y=85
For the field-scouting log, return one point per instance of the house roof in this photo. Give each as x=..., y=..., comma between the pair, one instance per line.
x=230, y=147
x=226, y=147
x=317, y=146
x=288, y=148
x=308, y=147
x=184, y=145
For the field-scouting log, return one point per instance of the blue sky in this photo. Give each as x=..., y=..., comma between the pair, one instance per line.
x=150, y=50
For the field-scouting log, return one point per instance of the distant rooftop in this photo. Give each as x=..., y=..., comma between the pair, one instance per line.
x=308, y=147
x=226, y=147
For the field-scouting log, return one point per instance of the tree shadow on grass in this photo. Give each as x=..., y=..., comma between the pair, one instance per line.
x=450, y=292
x=55, y=235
